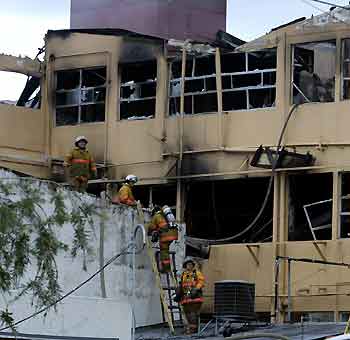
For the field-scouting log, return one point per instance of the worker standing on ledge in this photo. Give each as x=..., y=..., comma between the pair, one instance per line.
x=81, y=165
x=125, y=195
x=190, y=294
x=161, y=230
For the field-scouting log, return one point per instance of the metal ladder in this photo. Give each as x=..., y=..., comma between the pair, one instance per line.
x=169, y=285
x=166, y=282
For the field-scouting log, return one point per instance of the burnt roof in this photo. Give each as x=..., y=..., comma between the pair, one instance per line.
x=102, y=31
x=288, y=24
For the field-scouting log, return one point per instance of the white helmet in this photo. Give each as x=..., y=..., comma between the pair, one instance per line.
x=131, y=178
x=79, y=139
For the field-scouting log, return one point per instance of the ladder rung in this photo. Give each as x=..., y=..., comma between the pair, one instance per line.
x=174, y=307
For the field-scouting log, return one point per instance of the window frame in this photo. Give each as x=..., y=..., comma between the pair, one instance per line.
x=79, y=90
x=128, y=100
x=190, y=94
x=292, y=54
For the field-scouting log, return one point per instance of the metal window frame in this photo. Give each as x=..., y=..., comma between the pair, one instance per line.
x=79, y=89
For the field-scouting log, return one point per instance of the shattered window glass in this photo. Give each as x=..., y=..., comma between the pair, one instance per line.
x=248, y=80
x=346, y=69
x=138, y=90
x=200, y=86
x=314, y=72
x=80, y=96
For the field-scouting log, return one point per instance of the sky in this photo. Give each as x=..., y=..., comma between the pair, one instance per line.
x=23, y=24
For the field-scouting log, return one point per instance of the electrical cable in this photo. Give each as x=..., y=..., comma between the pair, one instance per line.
x=324, y=12
x=267, y=195
x=331, y=4
x=110, y=261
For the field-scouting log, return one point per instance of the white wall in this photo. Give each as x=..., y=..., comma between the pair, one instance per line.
x=119, y=224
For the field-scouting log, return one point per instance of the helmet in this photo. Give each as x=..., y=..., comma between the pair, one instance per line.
x=79, y=139
x=188, y=259
x=155, y=209
x=131, y=178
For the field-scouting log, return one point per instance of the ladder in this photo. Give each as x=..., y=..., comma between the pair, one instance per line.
x=169, y=285
x=166, y=282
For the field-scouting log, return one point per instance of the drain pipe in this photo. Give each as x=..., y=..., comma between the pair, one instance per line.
x=142, y=229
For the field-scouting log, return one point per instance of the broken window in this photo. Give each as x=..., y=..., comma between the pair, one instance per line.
x=138, y=90
x=248, y=80
x=314, y=72
x=345, y=206
x=80, y=96
x=200, y=93
x=346, y=69
x=220, y=209
x=310, y=207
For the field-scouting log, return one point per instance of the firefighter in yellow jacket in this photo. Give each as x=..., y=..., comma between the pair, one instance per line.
x=81, y=164
x=191, y=285
x=161, y=230
x=125, y=195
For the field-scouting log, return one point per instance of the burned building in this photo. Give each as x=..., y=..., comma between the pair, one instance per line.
x=188, y=117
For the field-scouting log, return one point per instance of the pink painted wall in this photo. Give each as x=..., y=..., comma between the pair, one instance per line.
x=179, y=19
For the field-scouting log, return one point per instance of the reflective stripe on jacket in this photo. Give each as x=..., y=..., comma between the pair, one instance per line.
x=81, y=163
x=189, y=280
x=125, y=195
x=160, y=224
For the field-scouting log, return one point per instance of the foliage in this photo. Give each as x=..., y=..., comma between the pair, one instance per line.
x=29, y=236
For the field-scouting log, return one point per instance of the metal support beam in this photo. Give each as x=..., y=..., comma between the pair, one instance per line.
x=251, y=251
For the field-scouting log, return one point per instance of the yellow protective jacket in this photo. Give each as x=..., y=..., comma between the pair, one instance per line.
x=125, y=195
x=160, y=224
x=189, y=280
x=81, y=163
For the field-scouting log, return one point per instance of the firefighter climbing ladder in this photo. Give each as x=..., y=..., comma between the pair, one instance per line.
x=166, y=288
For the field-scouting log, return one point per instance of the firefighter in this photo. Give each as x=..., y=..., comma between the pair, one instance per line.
x=191, y=295
x=164, y=232
x=81, y=164
x=125, y=195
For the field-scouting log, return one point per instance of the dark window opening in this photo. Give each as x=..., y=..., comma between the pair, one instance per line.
x=310, y=207
x=314, y=72
x=346, y=68
x=80, y=96
x=200, y=86
x=224, y=208
x=138, y=90
x=345, y=206
x=249, y=80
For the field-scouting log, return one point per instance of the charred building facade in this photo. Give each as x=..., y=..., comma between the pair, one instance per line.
x=188, y=118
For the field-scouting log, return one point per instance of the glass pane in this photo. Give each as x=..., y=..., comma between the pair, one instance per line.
x=67, y=98
x=67, y=80
x=175, y=88
x=94, y=77
x=262, y=60
x=314, y=72
x=67, y=116
x=92, y=113
x=93, y=95
x=210, y=84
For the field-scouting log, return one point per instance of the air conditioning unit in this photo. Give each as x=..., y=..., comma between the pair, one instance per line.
x=234, y=299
